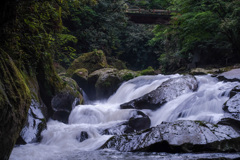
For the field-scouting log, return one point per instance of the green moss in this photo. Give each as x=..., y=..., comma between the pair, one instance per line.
x=201, y=123
x=82, y=72
x=148, y=71
x=128, y=77
x=91, y=61
x=14, y=103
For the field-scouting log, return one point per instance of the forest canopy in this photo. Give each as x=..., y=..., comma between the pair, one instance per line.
x=62, y=29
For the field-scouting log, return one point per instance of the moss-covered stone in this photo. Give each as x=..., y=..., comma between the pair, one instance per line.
x=126, y=74
x=81, y=76
x=116, y=63
x=148, y=71
x=92, y=61
x=15, y=100
x=59, y=69
x=64, y=101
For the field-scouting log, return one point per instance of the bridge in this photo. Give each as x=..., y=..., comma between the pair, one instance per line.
x=151, y=16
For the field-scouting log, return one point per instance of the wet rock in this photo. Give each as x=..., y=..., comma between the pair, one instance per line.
x=64, y=101
x=62, y=105
x=15, y=100
x=179, y=136
x=36, y=123
x=234, y=123
x=83, y=136
x=92, y=61
x=103, y=83
x=138, y=121
x=167, y=91
x=81, y=77
x=232, y=106
x=233, y=75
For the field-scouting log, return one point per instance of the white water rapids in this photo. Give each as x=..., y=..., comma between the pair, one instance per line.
x=60, y=140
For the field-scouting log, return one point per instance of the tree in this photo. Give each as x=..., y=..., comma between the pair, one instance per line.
x=210, y=28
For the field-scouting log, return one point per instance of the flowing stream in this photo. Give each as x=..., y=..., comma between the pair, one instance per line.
x=61, y=141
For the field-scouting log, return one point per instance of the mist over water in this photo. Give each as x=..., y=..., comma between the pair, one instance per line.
x=60, y=141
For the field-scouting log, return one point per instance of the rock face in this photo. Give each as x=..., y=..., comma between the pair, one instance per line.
x=81, y=77
x=233, y=75
x=232, y=110
x=167, y=91
x=15, y=100
x=36, y=123
x=91, y=61
x=102, y=83
x=137, y=122
x=106, y=82
x=179, y=136
x=83, y=136
x=64, y=101
x=232, y=106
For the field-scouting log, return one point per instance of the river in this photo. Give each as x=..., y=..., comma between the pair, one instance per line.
x=61, y=141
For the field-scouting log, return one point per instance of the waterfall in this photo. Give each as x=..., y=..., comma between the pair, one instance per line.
x=61, y=140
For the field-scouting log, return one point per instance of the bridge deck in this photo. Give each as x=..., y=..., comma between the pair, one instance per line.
x=153, y=16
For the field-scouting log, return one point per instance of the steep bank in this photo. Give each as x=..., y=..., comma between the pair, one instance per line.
x=15, y=100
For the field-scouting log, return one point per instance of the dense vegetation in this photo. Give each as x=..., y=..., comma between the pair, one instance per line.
x=201, y=32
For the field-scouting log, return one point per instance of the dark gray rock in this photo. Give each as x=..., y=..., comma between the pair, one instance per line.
x=232, y=106
x=234, y=123
x=83, y=136
x=35, y=123
x=233, y=75
x=137, y=122
x=62, y=105
x=167, y=91
x=179, y=136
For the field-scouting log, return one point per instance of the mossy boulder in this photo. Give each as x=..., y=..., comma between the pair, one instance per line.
x=81, y=77
x=15, y=100
x=126, y=74
x=65, y=100
x=116, y=63
x=105, y=82
x=148, y=71
x=92, y=61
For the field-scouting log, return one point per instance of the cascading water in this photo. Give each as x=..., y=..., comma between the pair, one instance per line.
x=61, y=141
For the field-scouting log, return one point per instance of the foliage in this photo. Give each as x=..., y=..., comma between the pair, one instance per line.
x=136, y=50
x=209, y=28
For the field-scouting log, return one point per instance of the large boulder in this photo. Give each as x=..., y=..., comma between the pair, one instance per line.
x=104, y=82
x=167, y=91
x=232, y=110
x=65, y=100
x=232, y=106
x=116, y=63
x=179, y=136
x=92, y=61
x=15, y=100
x=232, y=75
